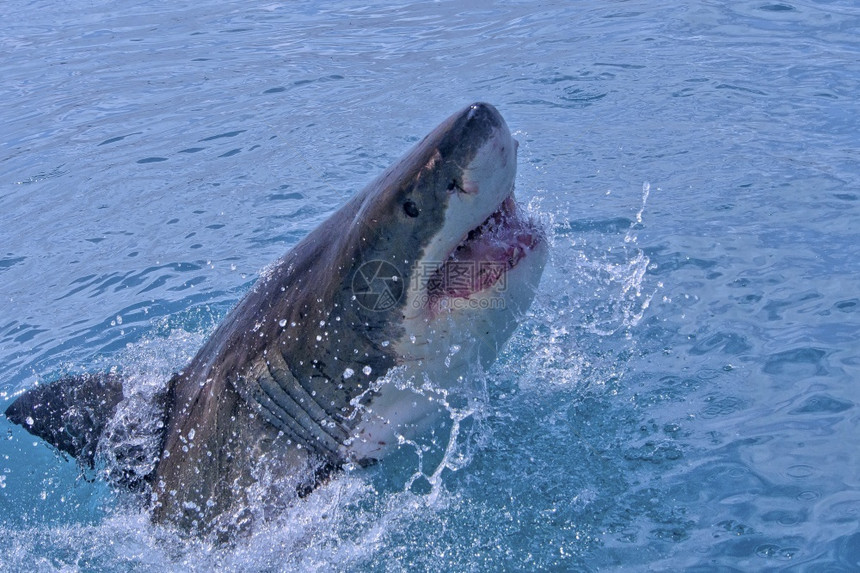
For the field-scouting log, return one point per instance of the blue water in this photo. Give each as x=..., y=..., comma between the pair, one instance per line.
x=684, y=394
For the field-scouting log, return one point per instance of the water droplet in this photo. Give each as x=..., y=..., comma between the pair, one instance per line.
x=348, y=373
x=367, y=370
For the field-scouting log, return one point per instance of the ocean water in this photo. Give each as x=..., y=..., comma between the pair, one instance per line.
x=684, y=393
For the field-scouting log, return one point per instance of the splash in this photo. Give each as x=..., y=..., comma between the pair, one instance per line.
x=618, y=277
x=597, y=290
x=614, y=275
x=455, y=454
x=440, y=446
x=130, y=444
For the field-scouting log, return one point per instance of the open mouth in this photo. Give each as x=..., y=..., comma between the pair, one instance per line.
x=487, y=252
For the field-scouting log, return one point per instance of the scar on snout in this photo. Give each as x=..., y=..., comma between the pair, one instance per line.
x=431, y=163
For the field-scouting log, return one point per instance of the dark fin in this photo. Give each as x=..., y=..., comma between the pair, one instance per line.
x=321, y=476
x=69, y=413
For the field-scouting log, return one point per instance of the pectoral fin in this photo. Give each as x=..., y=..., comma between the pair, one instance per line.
x=69, y=413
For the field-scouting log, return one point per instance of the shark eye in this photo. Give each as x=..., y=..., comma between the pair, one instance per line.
x=455, y=187
x=411, y=209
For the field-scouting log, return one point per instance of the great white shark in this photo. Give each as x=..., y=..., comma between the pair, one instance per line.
x=416, y=280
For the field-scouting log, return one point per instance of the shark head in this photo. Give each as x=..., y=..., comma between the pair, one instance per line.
x=451, y=264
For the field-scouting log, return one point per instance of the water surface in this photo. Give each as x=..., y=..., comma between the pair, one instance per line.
x=683, y=395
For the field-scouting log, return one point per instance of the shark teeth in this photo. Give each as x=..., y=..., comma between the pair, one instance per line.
x=486, y=254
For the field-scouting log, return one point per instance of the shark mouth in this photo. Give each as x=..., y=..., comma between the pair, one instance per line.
x=485, y=255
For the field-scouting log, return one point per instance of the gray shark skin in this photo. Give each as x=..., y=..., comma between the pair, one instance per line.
x=292, y=384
